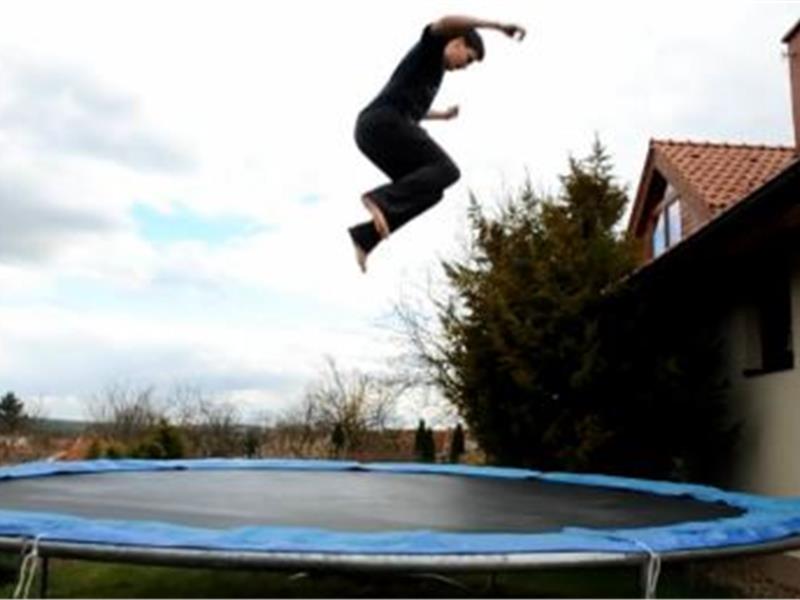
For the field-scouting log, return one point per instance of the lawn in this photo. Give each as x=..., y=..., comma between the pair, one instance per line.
x=78, y=579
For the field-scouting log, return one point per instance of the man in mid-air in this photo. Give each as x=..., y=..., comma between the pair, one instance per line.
x=389, y=134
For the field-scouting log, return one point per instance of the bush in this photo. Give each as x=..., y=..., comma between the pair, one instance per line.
x=95, y=450
x=115, y=451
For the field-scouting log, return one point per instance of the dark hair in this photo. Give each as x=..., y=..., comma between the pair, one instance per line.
x=474, y=40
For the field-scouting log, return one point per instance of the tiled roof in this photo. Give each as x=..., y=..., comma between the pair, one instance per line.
x=722, y=174
x=790, y=34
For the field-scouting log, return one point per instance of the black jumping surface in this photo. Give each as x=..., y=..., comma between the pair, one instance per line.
x=350, y=501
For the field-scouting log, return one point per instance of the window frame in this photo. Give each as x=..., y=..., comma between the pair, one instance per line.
x=773, y=295
x=663, y=221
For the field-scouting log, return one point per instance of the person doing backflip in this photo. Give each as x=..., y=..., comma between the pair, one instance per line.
x=388, y=131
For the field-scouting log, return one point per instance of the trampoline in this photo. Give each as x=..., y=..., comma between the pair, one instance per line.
x=403, y=517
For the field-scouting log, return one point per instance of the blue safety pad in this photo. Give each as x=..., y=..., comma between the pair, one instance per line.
x=764, y=519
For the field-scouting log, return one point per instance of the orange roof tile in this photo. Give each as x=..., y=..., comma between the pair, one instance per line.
x=723, y=174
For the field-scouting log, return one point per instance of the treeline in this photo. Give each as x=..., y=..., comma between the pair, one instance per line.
x=131, y=422
x=342, y=415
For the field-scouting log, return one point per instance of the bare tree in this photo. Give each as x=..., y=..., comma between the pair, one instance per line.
x=219, y=431
x=42, y=439
x=356, y=404
x=423, y=365
x=124, y=412
x=212, y=426
x=296, y=431
x=417, y=329
x=35, y=411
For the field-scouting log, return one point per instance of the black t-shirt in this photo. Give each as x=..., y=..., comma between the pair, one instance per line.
x=416, y=80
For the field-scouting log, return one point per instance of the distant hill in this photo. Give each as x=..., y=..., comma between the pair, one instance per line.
x=61, y=426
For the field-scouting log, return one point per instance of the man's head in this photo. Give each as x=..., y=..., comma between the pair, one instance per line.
x=461, y=52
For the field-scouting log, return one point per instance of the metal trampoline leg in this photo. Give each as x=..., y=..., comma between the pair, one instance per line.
x=44, y=575
x=645, y=581
x=444, y=580
x=491, y=584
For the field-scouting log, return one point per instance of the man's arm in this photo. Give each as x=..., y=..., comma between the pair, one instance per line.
x=442, y=115
x=456, y=25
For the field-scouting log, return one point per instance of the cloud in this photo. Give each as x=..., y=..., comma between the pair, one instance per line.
x=85, y=352
x=33, y=225
x=56, y=109
x=69, y=147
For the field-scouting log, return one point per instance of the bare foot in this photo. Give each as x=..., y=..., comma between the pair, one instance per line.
x=361, y=257
x=381, y=226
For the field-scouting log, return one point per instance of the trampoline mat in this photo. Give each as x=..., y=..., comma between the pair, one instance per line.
x=350, y=501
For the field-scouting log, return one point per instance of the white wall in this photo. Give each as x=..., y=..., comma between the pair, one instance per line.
x=768, y=406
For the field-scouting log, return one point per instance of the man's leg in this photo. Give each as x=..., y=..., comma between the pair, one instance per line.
x=378, y=219
x=372, y=134
x=419, y=169
x=410, y=196
x=365, y=237
x=361, y=254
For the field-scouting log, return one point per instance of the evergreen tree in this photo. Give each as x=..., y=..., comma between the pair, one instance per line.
x=252, y=443
x=148, y=449
x=12, y=413
x=170, y=439
x=457, y=444
x=419, y=441
x=114, y=451
x=337, y=439
x=429, y=446
x=546, y=351
x=521, y=333
x=165, y=441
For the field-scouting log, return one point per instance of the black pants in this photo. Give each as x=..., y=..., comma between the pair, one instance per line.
x=418, y=168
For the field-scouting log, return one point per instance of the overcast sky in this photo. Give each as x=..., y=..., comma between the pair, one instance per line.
x=176, y=178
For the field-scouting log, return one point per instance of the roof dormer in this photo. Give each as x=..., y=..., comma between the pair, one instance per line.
x=684, y=185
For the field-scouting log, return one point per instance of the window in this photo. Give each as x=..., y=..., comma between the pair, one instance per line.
x=660, y=235
x=771, y=331
x=674, y=221
x=668, y=230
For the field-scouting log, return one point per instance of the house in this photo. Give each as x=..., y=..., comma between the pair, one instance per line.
x=719, y=231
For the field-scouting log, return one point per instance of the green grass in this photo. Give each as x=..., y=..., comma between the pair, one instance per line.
x=78, y=579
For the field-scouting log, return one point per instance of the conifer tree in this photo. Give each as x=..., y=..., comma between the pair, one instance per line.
x=419, y=441
x=337, y=439
x=252, y=443
x=521, y=332
x=170, y=439
x=547, y=352
x=12, y=413
x=457, y=444
x=428, y=446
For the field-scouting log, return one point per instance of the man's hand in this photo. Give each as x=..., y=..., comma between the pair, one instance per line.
x=450, y=113
x=455, y=25
x=513, y=31
x=443, y=115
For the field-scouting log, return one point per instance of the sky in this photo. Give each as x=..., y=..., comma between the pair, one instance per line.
x=177, y=177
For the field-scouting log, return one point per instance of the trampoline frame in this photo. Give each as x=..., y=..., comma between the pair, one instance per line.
x=374, y=563
x=646, y=560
